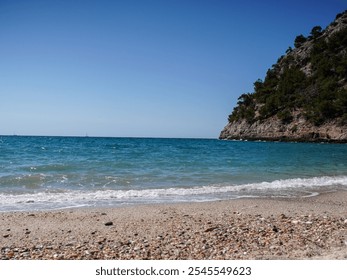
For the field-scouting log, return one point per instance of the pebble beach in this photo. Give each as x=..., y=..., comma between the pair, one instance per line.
x=266, y=228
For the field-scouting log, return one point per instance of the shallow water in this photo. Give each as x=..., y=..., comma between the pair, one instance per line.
x=61, y=172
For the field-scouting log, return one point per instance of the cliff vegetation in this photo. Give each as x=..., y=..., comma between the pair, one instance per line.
x=307, y=86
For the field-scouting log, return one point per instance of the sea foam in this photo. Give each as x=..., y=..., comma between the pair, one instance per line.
x=109, y=197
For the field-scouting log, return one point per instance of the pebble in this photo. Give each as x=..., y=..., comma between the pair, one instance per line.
x=226, y=237
x=210, y=229
x=101, y=240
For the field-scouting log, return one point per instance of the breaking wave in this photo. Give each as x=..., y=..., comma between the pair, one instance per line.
x=67, y=198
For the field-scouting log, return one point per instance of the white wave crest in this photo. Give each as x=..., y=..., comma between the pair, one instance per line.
x=70, y=198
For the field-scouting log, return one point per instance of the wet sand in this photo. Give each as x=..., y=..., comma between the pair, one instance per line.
x=278, y=228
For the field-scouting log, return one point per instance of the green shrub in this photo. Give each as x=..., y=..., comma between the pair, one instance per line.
x=286, y=87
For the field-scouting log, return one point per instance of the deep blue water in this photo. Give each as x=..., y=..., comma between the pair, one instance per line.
x=61, y=172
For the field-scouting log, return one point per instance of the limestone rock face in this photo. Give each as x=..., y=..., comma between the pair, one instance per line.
x=272, y=129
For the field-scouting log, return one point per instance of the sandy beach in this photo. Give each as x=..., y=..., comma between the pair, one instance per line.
x=300, y=228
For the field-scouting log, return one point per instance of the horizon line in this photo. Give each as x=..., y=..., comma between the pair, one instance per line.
x=96, y=136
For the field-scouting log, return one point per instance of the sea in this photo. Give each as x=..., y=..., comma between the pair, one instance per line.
x=47, y=173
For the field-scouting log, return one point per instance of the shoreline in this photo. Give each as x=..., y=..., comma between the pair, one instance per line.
x=247, y=228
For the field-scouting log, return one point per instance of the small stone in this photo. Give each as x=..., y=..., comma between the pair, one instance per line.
x=101, y=240
x=210, y=229
x=5, y=235
x=108, y=223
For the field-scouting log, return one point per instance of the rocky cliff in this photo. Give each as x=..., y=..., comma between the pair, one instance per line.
x=272, y=129
x=303, y=96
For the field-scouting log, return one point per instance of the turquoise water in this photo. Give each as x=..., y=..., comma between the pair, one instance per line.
x=61, y=172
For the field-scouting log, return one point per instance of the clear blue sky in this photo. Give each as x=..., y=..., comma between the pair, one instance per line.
x=144, y=68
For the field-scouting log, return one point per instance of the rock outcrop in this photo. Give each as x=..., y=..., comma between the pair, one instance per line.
x=303, y=97
x=272, y=129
